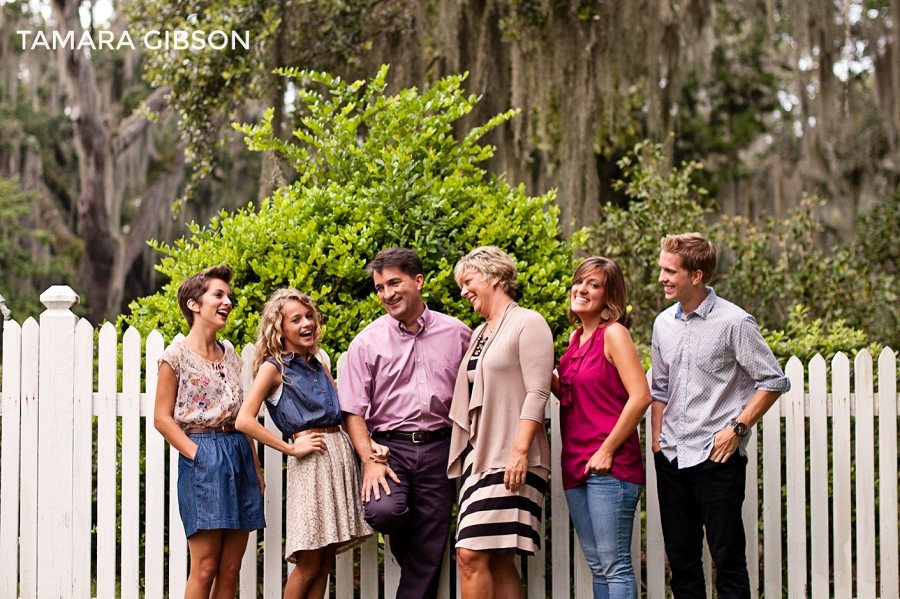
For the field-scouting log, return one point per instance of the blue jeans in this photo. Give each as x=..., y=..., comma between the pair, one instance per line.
x=602, y=511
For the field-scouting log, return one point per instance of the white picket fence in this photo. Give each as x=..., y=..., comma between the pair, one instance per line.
x=47, y=495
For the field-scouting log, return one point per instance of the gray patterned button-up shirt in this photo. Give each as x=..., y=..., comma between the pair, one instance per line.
x=706, y=367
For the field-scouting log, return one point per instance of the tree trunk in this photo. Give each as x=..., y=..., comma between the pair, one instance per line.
x=92, y=142
x=108, y=254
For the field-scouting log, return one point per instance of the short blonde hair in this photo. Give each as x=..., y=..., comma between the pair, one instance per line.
x=493, y=264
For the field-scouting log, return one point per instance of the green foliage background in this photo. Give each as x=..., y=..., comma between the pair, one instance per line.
x=20, y=243
x=807, y=300
x=373, y=171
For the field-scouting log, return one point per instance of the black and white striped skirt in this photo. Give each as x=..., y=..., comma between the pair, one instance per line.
x=493, y=519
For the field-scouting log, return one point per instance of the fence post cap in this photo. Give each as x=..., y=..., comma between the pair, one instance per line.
x=59, y=297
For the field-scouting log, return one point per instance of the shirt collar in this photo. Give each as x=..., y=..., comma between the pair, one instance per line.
x=703, y=309
x=424, y=321
x=310, y=364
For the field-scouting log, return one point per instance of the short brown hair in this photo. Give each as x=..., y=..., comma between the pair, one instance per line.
x=696, y=252
x=405, y=259
x=493, y=264
x=193, y=287
x=613, y=288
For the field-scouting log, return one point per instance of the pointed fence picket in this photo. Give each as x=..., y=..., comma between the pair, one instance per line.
x=52, y=517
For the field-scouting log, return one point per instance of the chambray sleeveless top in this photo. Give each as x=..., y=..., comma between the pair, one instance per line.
x=306, y=399
x=592, y=397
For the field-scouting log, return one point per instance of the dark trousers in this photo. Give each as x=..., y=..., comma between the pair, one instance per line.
x=708, y=494
x=416, y=515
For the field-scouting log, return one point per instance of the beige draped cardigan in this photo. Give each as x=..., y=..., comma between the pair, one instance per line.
x=512, y=382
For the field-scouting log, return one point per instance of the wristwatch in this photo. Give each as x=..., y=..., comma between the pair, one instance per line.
x=740, y=429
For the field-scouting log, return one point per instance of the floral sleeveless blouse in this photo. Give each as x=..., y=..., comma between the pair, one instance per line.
x=209, y=393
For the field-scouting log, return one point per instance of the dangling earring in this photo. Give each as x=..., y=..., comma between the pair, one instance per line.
x=605, y=314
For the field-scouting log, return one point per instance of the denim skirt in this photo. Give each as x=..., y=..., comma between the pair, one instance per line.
x=218, y=488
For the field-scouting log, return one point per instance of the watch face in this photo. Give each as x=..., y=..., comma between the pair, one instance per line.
x=740, y=429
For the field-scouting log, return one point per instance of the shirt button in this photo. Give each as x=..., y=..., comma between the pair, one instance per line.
x=424, y=403
x=419, y=360
x=423, y=382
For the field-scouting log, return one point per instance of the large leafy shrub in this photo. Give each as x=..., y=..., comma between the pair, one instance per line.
x=373, y=171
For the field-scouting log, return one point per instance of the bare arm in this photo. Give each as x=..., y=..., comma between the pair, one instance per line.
x=375, y=472
x=267, y=380
x=259, y=473
x=622, y=354
x=554, y=384
x=656, y=417
x=164, y=410
x=725, y=443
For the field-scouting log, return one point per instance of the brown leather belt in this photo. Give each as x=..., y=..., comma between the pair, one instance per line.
x=330, y=429
x=208, y=430
x=416, y=437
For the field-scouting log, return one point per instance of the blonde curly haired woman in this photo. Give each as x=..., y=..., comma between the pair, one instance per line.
x=324, y=512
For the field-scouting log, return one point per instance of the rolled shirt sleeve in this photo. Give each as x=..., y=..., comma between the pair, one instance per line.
x=756, y=358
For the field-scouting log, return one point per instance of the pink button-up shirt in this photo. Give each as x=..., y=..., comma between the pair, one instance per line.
x=407, y=380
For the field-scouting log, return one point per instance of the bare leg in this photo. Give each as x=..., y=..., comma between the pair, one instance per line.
x=304, y=574
x=317, y=588
x=476, y=580
x=205, y=547
x=507, y=581
x=234, y=544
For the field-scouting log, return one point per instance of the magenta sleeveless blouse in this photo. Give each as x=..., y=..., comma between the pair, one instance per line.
x=592, y=397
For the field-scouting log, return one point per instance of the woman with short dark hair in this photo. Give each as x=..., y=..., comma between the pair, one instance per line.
x=198, y=396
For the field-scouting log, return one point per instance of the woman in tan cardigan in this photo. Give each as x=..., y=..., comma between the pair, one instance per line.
x=499, y=444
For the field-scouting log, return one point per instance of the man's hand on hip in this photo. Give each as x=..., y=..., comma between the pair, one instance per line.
x=375, y=475
x=725, y=443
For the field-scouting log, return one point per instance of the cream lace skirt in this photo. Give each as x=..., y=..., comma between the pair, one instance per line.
x=324, y=506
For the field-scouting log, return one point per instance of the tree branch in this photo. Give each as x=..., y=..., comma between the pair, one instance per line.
x=134, y=126
x=155, y=202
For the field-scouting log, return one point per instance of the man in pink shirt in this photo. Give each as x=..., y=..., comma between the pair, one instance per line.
x=396, y=384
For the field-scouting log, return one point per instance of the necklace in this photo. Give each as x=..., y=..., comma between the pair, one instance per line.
x=480, y=342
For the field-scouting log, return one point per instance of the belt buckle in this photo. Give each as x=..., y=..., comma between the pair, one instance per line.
x=419, y=437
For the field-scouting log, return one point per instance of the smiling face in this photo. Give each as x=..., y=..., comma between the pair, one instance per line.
x=400, y=294
x=477, y=291
x=214, y=306
x=299, y=327
x=588, y=296
x=679, y=285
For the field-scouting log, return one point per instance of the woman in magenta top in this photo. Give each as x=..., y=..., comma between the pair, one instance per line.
x=603, y=397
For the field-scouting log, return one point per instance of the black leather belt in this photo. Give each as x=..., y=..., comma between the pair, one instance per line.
x=416, y=437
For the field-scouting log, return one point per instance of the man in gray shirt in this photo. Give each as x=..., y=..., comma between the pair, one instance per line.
x=714, y=377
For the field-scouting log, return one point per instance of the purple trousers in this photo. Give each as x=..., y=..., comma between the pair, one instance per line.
x=416, y=515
